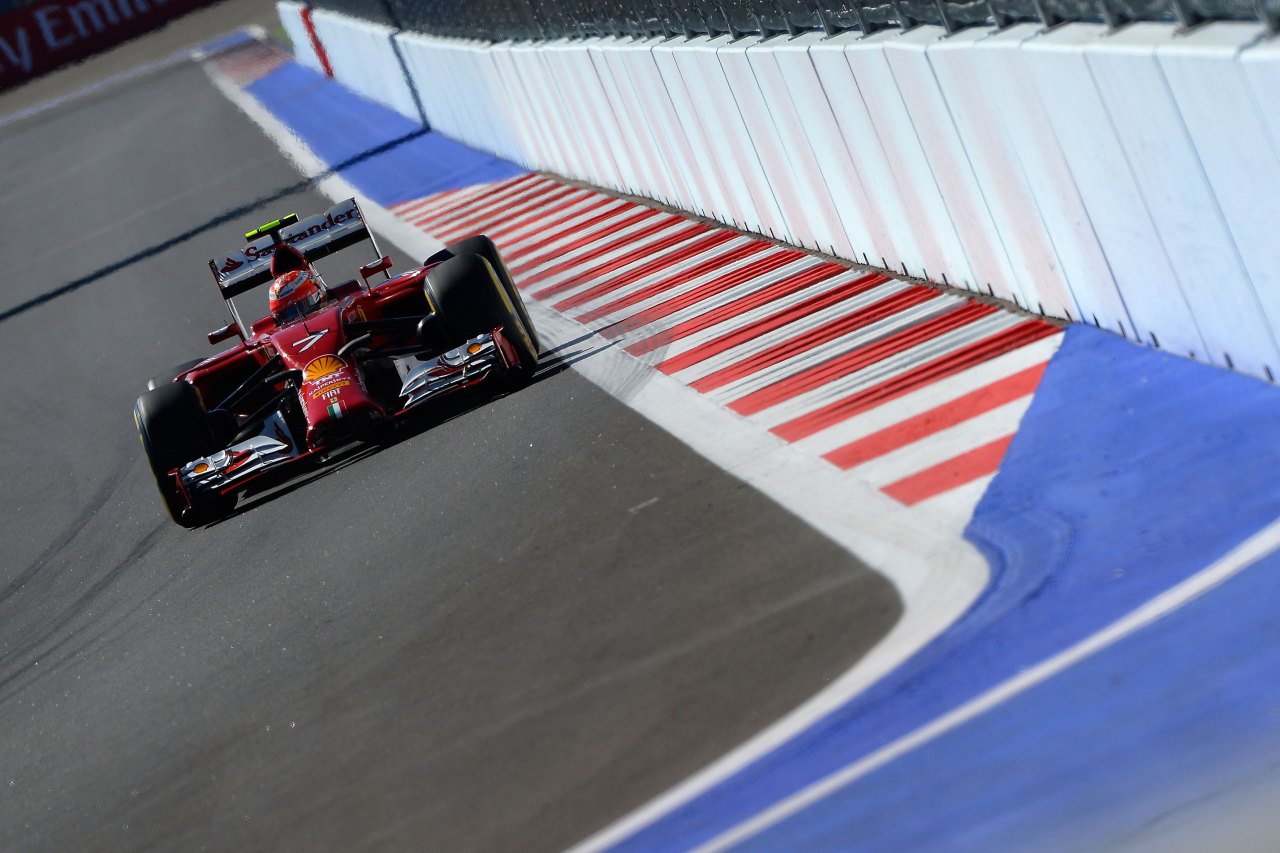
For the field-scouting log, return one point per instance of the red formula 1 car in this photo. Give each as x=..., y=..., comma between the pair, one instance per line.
x=329, y=364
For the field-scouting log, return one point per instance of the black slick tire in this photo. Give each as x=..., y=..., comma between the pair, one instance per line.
x=470, y=300
x=485, y=248
x=174, y=430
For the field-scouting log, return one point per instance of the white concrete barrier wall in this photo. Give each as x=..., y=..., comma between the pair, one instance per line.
x=361, y=56
x=291, y=19
x=1128, y=179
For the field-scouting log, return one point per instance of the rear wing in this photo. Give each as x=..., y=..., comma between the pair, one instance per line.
x=316, y=236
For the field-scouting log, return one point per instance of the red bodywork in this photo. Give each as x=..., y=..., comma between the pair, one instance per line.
x=334, y=396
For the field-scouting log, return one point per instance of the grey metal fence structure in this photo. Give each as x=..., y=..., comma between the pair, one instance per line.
x=501, y=20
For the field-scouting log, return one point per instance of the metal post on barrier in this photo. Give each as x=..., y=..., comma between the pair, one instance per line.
x=734, y=32
x=1050, y=19
x=663, y=21
x=866, y=26
x=1269, y=16
x=948, y=23
x=829, y=27
x=793, y=29
x=1109, y=15
x=906, y=21
x=1187, y=17
x=1000, y=18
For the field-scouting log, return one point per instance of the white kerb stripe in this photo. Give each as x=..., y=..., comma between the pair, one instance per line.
x=433, y=205
x=539, y=210
x=952, y=510
x=429, y=205
x=532, y=191
x=667, y=267
x=619, y=244
x=737, y=322
x=809, y=357
x=932, y=396
x=496, y=215
x=797, y=326
x=886, y=369
x=759, y=281
x=672, y=271
x=521, y=226
x=608, y=232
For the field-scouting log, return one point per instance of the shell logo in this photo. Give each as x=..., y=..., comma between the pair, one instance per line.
x=319, y=368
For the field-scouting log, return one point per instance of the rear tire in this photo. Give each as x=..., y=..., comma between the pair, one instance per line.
x=485, y=248
x=470, y=300
x=174, y=430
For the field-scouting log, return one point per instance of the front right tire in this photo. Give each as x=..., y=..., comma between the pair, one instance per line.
x=485, y=248
x=470, y=299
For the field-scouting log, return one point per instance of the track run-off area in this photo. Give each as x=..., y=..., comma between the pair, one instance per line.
x=772, y=552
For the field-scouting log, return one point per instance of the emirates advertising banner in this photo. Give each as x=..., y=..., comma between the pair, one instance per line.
x=38, y=38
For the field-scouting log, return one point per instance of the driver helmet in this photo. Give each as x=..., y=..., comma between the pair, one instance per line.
x=295, y=294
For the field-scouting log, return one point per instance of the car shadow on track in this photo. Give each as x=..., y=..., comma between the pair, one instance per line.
x=215, y=222
x=552, y=363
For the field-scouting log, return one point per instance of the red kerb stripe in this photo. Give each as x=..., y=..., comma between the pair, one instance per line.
x=860, y=358
x=743, y=274
x=932, y=371
x=679, y=229
x=500, y=189
x=679, y=277
x=491, y=216
x=807, y=339
x=658, y=264
x=519, y=227
x=528, y=260
x=488, y=208
x=772, y=293
x=815, y=337
x=951, y=474
x=937, y=419
x=316, y=45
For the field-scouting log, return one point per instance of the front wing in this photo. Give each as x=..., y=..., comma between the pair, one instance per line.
x=236, y=467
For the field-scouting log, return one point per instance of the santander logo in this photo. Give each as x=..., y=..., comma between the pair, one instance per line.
x=308, y=228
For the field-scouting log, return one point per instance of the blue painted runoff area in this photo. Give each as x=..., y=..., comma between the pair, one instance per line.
x=387, y=157
x=1131, y=471
x=1168, y=727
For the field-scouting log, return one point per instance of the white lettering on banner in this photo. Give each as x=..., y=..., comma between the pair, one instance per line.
x=46, y=17
x=98, y=13
x=18, y=53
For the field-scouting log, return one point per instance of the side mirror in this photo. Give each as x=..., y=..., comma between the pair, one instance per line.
x=228, y=331
x=371, y=269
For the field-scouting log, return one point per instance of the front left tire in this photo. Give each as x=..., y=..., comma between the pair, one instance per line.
x=174, y=429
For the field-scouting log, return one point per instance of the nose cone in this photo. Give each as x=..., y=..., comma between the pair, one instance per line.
x=336, y=403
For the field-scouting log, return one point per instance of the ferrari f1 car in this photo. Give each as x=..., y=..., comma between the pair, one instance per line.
x=329, y=364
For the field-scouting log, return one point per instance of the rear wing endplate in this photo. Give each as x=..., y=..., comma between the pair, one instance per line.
x=316, y=236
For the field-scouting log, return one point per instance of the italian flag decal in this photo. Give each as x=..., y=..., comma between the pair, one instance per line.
x=335, y=409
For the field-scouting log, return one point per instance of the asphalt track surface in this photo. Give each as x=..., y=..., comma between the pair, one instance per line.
x=501, y=632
